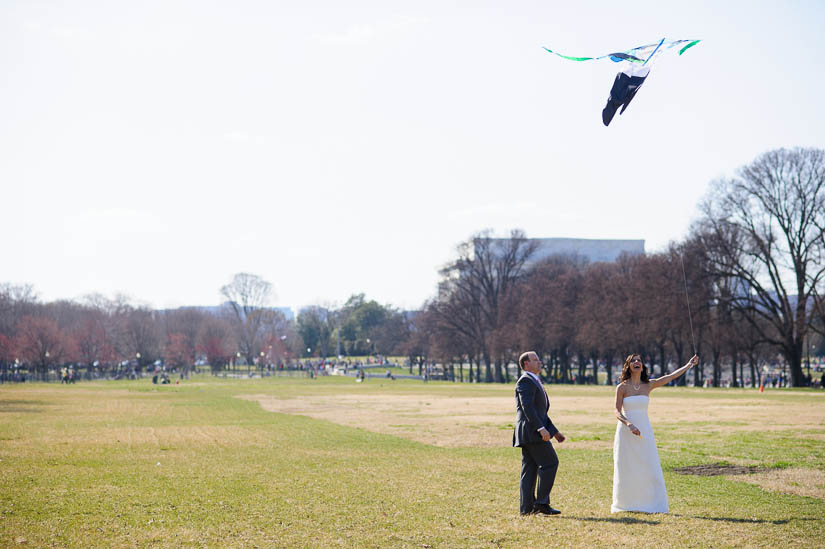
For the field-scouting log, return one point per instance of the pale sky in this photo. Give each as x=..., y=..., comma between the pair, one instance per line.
x=155, y=148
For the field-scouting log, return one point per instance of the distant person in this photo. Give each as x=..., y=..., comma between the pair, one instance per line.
x=638, y=482
x=822, y=381
x=532, y=433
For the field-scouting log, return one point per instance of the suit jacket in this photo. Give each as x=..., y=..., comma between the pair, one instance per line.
x=531, y=412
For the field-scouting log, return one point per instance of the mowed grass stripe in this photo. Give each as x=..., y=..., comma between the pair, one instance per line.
x=80, y=468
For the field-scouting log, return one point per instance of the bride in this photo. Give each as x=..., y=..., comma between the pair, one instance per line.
x=638, y=483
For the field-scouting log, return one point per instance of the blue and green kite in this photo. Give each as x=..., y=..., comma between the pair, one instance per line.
x=637, y=62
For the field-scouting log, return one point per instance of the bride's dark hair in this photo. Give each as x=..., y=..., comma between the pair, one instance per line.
x=626, y=369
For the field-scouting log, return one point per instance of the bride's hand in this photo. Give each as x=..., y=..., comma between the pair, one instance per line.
x=633, y=429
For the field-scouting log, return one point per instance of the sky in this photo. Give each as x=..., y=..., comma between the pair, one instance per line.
x=156, y=148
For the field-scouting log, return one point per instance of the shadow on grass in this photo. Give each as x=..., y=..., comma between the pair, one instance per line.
x=634, y=520
x=745, y=520
x=617, y=520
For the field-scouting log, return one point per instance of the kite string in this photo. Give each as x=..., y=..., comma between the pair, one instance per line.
x=690, y=317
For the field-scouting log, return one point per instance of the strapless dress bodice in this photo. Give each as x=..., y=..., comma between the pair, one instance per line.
x=636, y=403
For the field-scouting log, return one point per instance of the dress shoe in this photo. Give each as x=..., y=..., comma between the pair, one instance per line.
x=522, y=513
x=545, y=509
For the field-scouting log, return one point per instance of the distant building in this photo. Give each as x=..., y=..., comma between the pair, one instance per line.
x=594, y=250
x=590, y=249
x=287, y=312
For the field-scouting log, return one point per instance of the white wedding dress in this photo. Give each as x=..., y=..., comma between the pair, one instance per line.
x=638, y=483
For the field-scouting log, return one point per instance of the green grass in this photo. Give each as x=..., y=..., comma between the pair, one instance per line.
x=133, y=464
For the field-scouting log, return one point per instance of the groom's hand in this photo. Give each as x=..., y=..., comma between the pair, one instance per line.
x=559, y=437
x=545, y=434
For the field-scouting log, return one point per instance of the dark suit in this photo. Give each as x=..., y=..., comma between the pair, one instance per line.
x=537, y=456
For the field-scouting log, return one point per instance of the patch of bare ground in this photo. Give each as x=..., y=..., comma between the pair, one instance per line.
x=441, y=421
x=798, y=481
x=486, y=421
x=717, y=469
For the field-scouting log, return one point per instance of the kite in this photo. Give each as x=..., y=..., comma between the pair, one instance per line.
x=637, y=63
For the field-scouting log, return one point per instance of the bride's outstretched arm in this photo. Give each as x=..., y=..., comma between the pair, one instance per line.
x=664, y=380
x=619, y=415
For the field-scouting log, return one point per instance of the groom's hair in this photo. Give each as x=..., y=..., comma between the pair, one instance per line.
x=523, y=358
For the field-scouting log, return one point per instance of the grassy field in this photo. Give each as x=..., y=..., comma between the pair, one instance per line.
x=329, y=462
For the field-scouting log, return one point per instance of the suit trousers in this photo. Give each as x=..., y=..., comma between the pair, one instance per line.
x=540, y=460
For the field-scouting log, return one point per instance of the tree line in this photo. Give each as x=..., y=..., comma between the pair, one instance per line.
x=98, y=336
x=743, y=288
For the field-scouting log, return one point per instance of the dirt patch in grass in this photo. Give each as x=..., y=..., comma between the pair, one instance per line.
x=798, y=481
x=717, y=469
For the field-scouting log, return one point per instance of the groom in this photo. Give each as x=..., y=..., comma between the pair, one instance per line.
x=533, y=431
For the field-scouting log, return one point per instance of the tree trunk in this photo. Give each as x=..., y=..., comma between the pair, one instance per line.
x=582, y=364
x=565, y=365
x=594, y=358
x=662, y=358
x=608, y=368
x=742, y=373
x=793, y=354
x=488, y=370
x=680, y=350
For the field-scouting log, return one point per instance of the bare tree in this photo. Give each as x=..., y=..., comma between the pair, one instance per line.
x=42, y=344
x=140, y=337
x=16, y=302
x=93, y=335
x=185, y=324
x=423, y=330
x=766, y=228
x=599, y=315
x=547, y=311
x=216, y=342
x=247, y=297
x=475, y=284
x=686, y=300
